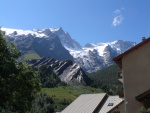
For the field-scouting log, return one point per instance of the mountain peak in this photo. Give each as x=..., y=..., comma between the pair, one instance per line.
x=56, y=29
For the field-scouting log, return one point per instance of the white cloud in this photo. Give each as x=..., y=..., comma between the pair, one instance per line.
x=117, y=11
x=118, y=17
x=117, y=20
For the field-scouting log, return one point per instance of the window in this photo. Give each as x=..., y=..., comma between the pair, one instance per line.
x=110, y=104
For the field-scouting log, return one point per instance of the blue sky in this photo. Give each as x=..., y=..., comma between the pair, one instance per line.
x=87, y=21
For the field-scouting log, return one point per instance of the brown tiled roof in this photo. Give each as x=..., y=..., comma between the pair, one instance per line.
x=119, y=57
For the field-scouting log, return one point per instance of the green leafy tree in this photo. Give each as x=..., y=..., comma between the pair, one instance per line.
x=43, y=104
x=18, y=81
x=143, y=110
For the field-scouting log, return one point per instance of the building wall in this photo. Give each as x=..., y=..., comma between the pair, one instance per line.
x=120, y=108
x=136, y=76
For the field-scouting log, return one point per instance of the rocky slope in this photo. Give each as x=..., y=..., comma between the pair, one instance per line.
x=67, y=71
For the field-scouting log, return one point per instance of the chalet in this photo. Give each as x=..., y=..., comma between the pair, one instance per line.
x=135, y=65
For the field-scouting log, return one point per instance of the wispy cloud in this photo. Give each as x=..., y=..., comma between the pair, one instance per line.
x=118, y=17
x=117, y=20
x=117, y=11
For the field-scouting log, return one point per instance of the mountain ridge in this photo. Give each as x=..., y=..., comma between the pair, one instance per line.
x=92, y=57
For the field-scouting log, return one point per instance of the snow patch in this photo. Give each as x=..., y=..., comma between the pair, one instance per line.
x=54, y=29
x=9, y=31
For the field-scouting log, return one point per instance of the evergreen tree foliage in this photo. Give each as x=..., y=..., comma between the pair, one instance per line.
x=107, y=80
x=48, y=78
x=18, y=81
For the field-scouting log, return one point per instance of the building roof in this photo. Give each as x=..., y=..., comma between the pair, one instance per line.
x=142, y=97
x=85, y=103
x=91, y=103
x=111, y=103
x=119, y=57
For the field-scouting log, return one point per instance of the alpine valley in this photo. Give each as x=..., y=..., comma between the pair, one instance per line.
x=59, y=45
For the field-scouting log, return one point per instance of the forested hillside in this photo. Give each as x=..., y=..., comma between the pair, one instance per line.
x=107, y=80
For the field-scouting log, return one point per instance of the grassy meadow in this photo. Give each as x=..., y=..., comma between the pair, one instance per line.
x=69, y=92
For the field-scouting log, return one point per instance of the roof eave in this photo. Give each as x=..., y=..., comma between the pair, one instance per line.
x=118, y=59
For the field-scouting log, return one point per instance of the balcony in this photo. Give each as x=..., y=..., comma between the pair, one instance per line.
x=144, y=98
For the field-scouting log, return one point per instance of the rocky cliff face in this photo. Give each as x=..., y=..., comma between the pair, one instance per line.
x=109, y=54
x=67, y=40
x=66, y=70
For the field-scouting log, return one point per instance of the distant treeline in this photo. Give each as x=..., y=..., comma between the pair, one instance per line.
x=107, y=80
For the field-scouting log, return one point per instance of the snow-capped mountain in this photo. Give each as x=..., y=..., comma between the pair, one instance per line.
x=41, y=43
x=56, y=43
x=93, y=57
x=66, y=39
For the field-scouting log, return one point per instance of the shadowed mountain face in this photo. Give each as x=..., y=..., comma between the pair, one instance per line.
x=67, y=40
x=66, y=70
x=49, y=46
